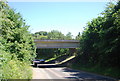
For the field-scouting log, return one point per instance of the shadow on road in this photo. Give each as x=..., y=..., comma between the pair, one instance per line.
x=85, y=76
x=76, y=75
x=47, y=66
x=50, y=66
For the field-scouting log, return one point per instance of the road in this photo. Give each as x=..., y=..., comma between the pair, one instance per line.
x=63, y=73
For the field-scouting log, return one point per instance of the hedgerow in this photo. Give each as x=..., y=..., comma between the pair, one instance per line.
x=17, y=47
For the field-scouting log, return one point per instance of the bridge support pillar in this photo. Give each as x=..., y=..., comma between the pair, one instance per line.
x=72, y=51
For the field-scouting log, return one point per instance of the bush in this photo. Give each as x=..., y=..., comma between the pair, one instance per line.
x=15, y=69
x=17, y=47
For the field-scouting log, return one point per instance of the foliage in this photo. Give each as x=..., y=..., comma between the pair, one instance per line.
x=78, y=36
x=52, y=35
x=41, y=33
x=99, y=43
x=107, y=71
x=69, y=36
x=51, y=53
x=15, y=69
x=16, y=45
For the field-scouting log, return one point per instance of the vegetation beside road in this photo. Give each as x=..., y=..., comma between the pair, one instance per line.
x=100, y=43
x=57, y=58
x=106, y=71
x=66, y=60
x=17, y=47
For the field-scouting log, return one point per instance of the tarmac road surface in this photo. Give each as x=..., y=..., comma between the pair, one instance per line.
x=66, y=74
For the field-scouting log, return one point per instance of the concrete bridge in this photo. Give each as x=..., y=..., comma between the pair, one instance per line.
x=56, y=43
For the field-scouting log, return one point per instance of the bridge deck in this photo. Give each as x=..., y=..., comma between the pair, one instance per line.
x=56, y=43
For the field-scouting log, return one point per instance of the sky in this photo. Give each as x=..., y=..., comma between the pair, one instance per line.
x=62, y=16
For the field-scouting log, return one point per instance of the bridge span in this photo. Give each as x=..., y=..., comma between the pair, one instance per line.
x=56, y=43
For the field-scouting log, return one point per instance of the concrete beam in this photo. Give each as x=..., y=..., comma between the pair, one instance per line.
x=56, y=43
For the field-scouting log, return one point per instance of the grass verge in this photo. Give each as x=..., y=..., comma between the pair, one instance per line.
x=106, y=71
x=67, y=59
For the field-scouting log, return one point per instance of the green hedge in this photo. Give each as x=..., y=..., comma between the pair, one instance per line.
x=17, y=47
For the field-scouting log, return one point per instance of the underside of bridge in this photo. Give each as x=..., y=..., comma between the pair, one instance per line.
x=44, y=46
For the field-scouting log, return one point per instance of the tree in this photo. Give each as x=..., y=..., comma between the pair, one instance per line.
x=19, y=48
x=54, y=34
x=78, y=36
x=99, y=41
x=43, y=33
x=69, y=36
